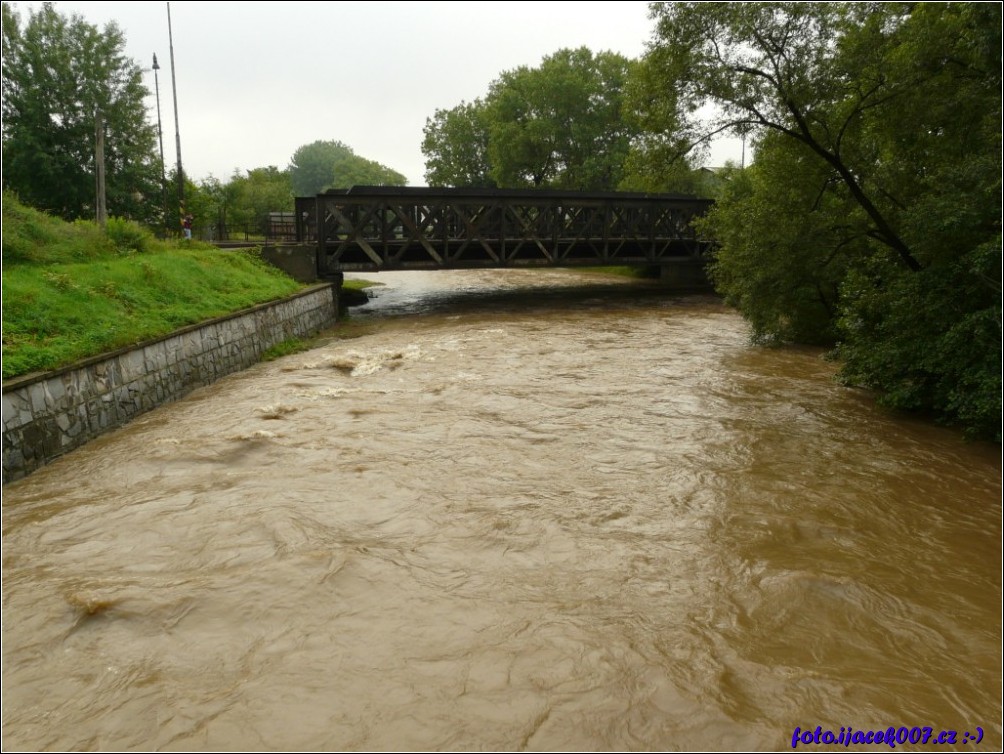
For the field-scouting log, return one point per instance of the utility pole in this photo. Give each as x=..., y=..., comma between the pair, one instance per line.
x=160, y=138
x=177, y=127
x=100, y=206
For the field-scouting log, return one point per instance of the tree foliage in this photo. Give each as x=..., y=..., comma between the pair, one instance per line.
x=58, y=72
x=255, y=193
x=659, y=158
x=204, y=201
x=456, y=147
x=321, y=165
x=558, y=125
x=240, y=204
x=786, y=257
x=353, y=170
x=311, y=168
x=872, y=213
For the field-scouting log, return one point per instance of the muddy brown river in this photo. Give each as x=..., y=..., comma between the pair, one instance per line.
x=517, y=510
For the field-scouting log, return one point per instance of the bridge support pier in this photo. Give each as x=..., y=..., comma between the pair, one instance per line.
x=299, y=261
x=685, y=276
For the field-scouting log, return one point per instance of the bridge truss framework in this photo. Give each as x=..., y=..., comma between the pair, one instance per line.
x=390, y=228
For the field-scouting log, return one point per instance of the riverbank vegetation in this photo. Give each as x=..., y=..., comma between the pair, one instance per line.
x=353, y=292
x=870, y=218
x=71, y=290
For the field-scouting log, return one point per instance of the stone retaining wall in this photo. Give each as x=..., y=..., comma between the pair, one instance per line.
x=48, y=414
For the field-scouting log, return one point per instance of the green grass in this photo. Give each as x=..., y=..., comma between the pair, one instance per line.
x=71, y=290
x=287, y=347
x=353, y=293
x=359, y=285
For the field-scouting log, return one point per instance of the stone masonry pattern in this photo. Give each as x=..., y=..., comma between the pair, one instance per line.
x=47, y=415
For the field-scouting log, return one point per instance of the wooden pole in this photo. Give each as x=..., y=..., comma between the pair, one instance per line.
x=100, y=206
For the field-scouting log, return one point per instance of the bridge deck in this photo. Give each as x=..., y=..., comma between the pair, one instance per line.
x=390, y=228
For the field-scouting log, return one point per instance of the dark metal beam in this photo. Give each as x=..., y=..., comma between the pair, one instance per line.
x=392, y=228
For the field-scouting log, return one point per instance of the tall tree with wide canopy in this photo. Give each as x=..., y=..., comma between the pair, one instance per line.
x=456, y=147
x=58, y=72
x=321, y=165
x=558, y=125
x=784, y=67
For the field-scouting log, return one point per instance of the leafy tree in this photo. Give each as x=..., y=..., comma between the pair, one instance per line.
x=931, y=340
x=250, y=197
x=239, y=204
x=876, y=182
x=659, y=160
x=321, y=165
x=456, y=147
x=785, y=243
x=58, y=72
x=203, y=201
x=353, y=170
x=784, y=67
x=559, y=125
x=311, y=168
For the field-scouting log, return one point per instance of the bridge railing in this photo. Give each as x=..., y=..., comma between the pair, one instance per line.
x=275, y=227
x=372, y=228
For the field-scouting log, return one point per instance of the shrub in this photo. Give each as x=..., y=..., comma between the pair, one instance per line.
x=128, y=236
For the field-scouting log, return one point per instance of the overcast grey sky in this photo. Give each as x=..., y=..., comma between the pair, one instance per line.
x=257, y=80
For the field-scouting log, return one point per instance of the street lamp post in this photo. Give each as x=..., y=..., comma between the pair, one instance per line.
x=160, y=138
x=177, y=127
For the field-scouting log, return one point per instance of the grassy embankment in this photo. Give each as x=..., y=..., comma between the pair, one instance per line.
x=71, y=291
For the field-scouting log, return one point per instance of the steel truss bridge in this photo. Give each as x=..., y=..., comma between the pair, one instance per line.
x=372, y=228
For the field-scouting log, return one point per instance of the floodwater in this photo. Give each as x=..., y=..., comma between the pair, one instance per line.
x=519, y=510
